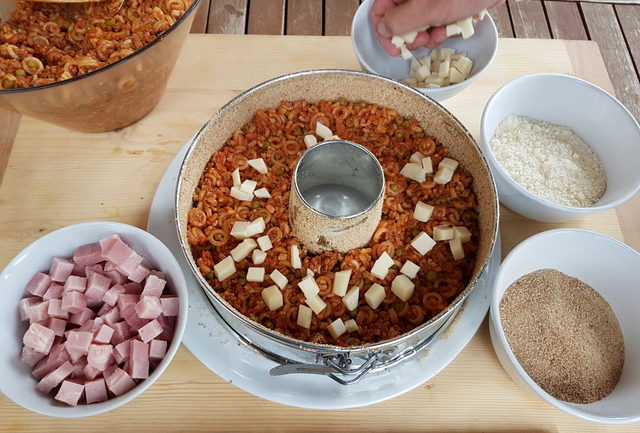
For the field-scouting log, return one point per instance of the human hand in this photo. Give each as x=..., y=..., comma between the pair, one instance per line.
x=398, y=17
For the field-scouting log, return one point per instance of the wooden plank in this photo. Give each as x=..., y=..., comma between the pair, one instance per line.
x=338, y=15
x=227, y=16
x=500, y=15
x=529, y=20
x=629, y=17
x=304, y=17
x=9, y=121
x=200, y=20
x=266, y=17
x=565, y=20
x=604, y=28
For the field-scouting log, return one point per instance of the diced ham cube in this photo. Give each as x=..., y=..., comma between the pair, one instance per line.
x=130, y=265
x=119, y=381
x=139, y=350
x=100, y=356
x=104, y=309
x=111, y=296
x=157, y=349
x=54, y=378
x=117, y=356
x=125, y=300
x=78, y=343
x=96, y=268
x=97, y=286
x=39, y=312
x=124, y=349
x=112, y=316
x=131, y=317
x=74, y=302
x=109, y=371
x=159, y=274
x=39, y=338
x=70, y=392
x=25, y=304
x=132, y=288
x=39, y=284
x=95, y=391
x=30, y=356
x=148, y=307
x=104, y=335
x=86, y=327
x=75, y=284
x=168, y=325
x=88, y=255
x=113, y=273
x=139, y=369
x=60, y=269
x=121, y=332
x=170, y=305
x=57, y=326
x=153, y=286
x=139, y=273
x=53, y=292
x=90, y=372
x=115, y=250
x=79, y=271
x=82, y=317
x=139, y=366
x=57, y=356
x=55, y=309
x=78, y=370
x=150, y=331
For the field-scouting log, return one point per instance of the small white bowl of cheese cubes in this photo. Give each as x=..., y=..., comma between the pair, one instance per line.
x=440, y=73
x=92, y=315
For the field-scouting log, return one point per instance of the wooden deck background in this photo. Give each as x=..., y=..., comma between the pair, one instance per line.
x=615, y=27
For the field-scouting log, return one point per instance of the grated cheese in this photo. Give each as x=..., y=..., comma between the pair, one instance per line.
x=551, y=161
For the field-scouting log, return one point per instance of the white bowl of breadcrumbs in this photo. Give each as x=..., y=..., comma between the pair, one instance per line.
x=563, y=323
x=560, y=147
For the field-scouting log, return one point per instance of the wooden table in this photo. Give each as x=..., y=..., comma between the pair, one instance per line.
x=56, y=177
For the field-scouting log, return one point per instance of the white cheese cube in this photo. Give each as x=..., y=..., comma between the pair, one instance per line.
x=304, y=316
x=397, y=41
x=415, y=64
x=351, y=325
x=422, y=212
x=427, y=165
x=258, y=257
x=225, y=268
x=425, y=60
x=309, y=287
x=238, y=194
x=255, y=275
x=236, y=177
x=414, y=172
x=445, y=52
x=248, y=186
x=443, y=71
x=262, y=193
x=466, y=27
x=265, y=243
x=243, y=249
x=451, y=164
x=416, y=158
x=259, y=165
x=334, y=138
x=457, y=251
x=453, y=29
x=442, y=233
x=323, y=131
x=455, y=76
x=409, y=37
x=336, y=328
x=422, y=73
x=410, y=82
x=310, y=273
x=341, y=282
x=381, y=266
x=296, y=263
x=350, y=300
x=310, y=140
x=239, y=229
x=423, y=243
x=402, y=287
x=410, y=269
x=443, y=176
x=277, y=277
x=316, y=303
x=464, y=65
x=256, y=226
x=405, y=53
x=272, y=297
x=375, y=295
x=434, y=78
x=433, y=86
x=462, y=233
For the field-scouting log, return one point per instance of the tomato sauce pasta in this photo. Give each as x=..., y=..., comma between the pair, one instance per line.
x=277, y=136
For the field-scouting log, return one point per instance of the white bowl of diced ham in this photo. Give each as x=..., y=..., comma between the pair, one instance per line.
x=92, y=315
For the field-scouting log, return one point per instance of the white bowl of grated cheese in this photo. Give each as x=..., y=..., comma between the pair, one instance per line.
x=560, y=147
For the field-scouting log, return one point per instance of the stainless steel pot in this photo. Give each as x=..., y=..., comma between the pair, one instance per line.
x=343, y=364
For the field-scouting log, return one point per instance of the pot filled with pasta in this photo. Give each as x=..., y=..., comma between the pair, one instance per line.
x=279, y=283
x=91, y=67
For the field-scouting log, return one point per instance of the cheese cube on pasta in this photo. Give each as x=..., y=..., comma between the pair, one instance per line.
x=255, y=275
x=304, y=316
x=272, y=296
x=336, y=328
